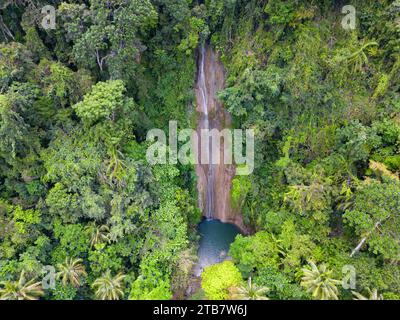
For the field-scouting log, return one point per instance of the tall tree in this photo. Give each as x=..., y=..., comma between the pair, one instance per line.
x=108, y=287
x=373, y=295
x=21, y=289
x=250, y=291
x=113, y=40
x=71, y=271
x=319, y=282
x=376, y=219
x=98, y=234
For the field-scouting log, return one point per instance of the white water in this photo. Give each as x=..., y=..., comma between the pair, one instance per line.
x=202, y=83
x=209, y=201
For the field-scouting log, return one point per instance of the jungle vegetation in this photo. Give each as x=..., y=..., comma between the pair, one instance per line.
x=76, y=192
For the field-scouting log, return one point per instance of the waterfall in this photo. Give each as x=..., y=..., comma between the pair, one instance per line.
x=214, y=181
x=209, y=199
x=202, y=82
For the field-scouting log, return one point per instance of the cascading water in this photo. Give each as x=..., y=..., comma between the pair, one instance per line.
x=214, y=177
x=209, y=200
x=202, y=82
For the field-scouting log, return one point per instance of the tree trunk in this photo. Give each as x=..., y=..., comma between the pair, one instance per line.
x=360, y=244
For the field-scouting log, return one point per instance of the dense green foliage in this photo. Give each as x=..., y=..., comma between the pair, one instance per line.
x=324, y=103
x=77, y=193
x=219, y=278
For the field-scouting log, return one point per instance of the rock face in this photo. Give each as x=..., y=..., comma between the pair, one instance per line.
x=214, y=180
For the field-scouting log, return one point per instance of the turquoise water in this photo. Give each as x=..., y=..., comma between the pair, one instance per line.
x=215, y=240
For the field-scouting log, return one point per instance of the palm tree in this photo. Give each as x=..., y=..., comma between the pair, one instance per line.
x=21, y=289
x=373, y=295
x=251, y=292
x=71, y=271
x=319, y=283
x=108, y=287
x=116, y=167
x=98, y=234
x=359, y=57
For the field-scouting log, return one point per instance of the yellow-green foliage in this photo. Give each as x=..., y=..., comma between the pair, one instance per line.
x=104, y=98
x=219, y=278
x=241, y=185
x=383, y=85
